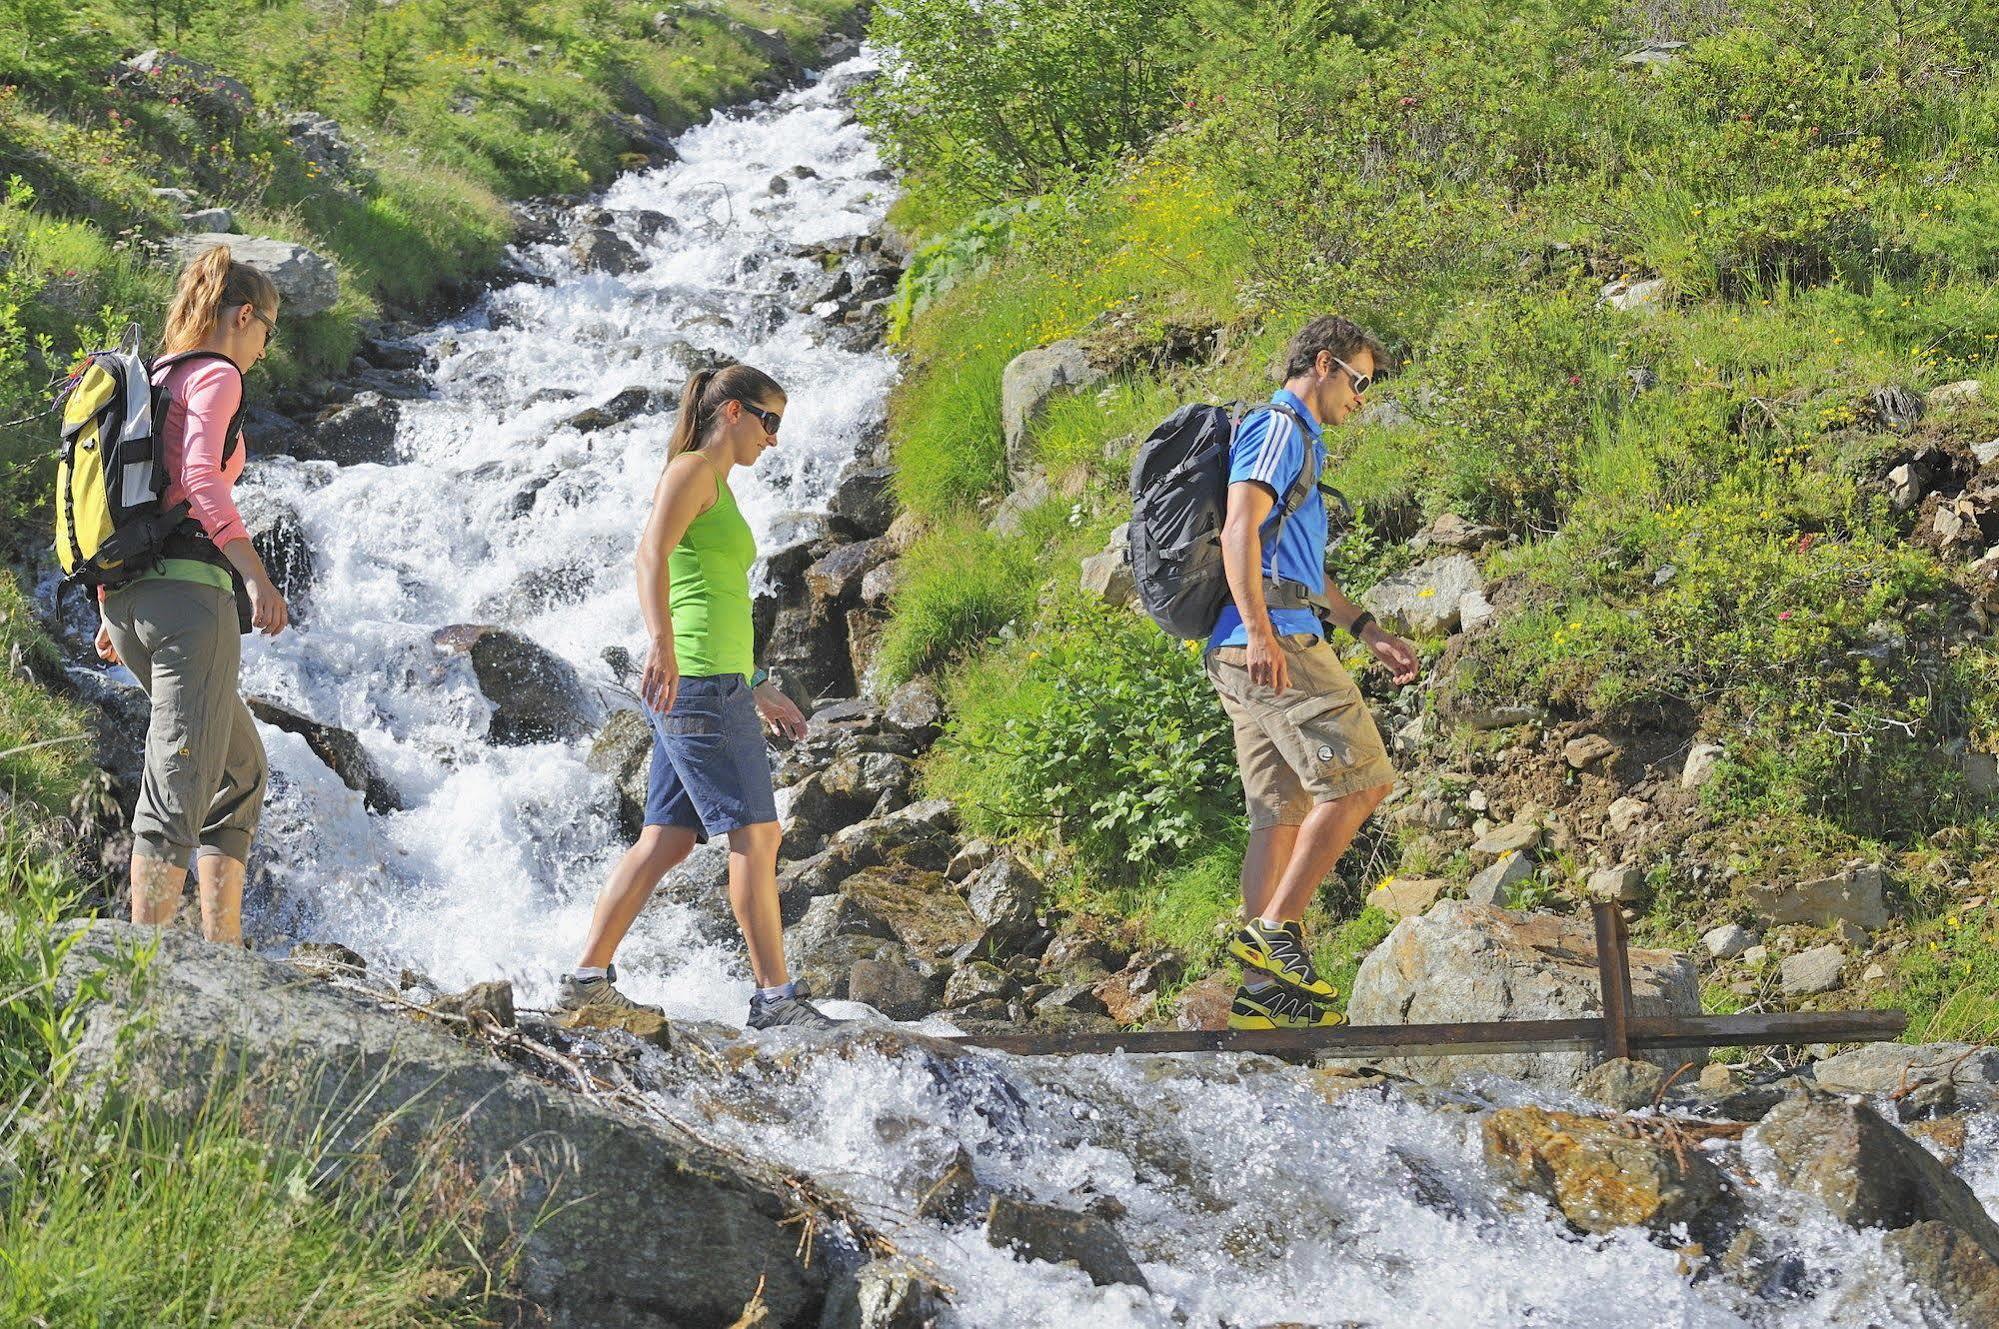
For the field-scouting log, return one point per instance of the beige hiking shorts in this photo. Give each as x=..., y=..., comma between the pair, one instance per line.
x=1312, y=743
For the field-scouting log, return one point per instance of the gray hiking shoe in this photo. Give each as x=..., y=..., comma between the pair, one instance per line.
x=794, y=1011
x=598, y=994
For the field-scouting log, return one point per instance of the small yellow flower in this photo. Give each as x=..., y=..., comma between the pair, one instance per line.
x=1426, y=592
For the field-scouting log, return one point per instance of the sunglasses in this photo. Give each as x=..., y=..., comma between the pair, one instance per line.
x=270, y=324
x=770, y=420
x=1361, y=382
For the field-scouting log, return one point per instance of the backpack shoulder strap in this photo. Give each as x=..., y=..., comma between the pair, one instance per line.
x=234, y=437
x=1308, y=470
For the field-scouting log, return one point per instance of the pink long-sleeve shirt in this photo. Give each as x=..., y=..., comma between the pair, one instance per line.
x=202, y=399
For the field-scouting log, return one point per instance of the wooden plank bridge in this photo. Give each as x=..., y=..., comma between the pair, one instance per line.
x=1616, y=1033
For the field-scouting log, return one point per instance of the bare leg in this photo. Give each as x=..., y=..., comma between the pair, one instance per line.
x=219, y=880
x=156, y=889
x=658, y=850
x=753, y=895
x=1328, y=831
x=1263, y=865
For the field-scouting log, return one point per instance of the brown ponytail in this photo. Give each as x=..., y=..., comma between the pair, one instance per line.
x=705, y=394
x=212, y=283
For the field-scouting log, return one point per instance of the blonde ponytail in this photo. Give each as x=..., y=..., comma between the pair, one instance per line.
x=704, y=395
x=210, y=284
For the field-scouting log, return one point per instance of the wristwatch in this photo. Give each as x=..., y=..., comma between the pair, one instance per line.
x=1359, y=625
x=759, y=677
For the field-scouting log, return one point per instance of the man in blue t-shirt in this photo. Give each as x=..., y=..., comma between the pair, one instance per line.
x=1313, y=765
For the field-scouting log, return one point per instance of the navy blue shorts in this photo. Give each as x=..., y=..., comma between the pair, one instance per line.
x=710, y=767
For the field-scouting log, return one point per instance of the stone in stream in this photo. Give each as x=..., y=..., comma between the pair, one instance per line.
x=891, y=987
x=1623, y=1084
x=601, y=249
x=882, y=1294
x=1461, y=962
x=669, y=1221
x=278, y=535
x=1867, y=1173
x=1884, y=1068
x=623, y=405
x=1949, y=1270
x=536, y=696
x=353, y=433
x=341, y=751
x=622, y=750
x=1058, y=1236
x=1602, y=1175
x=328, y=955
x=307, y=283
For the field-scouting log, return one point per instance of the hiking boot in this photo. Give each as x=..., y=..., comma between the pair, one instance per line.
x=598, y=994
x=1280, y=953
x=1276, y=1007
x=794, y=1011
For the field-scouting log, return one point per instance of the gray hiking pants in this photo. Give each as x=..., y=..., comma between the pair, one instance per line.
x=203, y=788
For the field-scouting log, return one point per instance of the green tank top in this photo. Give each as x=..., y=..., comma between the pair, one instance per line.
x=709, y=578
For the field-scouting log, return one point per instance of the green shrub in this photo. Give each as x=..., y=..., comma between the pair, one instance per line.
x=957, y=586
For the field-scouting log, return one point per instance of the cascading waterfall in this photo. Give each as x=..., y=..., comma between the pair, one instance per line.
x=1248, y=1192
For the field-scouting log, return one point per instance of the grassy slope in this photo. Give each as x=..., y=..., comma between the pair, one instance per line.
x=1820, y=203
x=105, y=1218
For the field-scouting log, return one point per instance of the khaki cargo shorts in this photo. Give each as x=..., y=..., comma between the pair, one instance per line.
x=1312, y=743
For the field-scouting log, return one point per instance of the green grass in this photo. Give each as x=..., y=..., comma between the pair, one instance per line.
x=959, y=586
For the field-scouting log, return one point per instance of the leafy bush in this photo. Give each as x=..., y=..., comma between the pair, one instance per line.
x=1099, y=731
x=1019, y=96
x=957, y=587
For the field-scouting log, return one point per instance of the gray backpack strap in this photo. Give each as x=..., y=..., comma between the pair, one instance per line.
x=1290, y=594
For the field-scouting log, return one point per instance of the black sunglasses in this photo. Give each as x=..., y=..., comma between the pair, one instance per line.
x=770, y=420
x=1361, y=382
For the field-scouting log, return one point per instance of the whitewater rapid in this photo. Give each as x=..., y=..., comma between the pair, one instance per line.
x=1250, y=1193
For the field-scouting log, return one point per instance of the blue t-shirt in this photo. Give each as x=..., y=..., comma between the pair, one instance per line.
x=1270, y=450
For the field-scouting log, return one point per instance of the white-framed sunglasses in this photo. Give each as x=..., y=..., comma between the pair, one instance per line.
x=1361, y=382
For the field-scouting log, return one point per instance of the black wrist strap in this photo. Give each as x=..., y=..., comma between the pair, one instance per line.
x=1360, y=624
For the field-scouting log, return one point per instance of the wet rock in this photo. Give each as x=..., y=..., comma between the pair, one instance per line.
x=883, y=1294
x=878, y=587
x=601, y=249
x=1865, y=1171
x=1428, y=599
x=1949, y=1270
x=807, y=649
x=863, y=504
x=1462, y=962
x=308, y=283
x=646, y=136
x=278, y=535
x=1882, y=1068
x=1599, y=1175
x=1031, y=380
x=1402, y=897
x=341, y=751
x=1058, y=1236
x=644, y=1025
x=328, y=955
x=954, y=1195
x=626, y=404
x=1812, y=971
x=490, y=1003
x=669, y=1222
x=891, y=987
x=623, y=751
x=1623, y=1085
x=1853, y=895
x=833, y=936
x=535, y=695
x=353, y=433
x=836, y=578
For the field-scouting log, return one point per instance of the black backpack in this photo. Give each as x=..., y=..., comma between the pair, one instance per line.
x=1179, y=493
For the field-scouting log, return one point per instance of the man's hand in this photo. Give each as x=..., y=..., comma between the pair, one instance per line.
x=1265, y=657
x=779, y=712
x=1391, y=650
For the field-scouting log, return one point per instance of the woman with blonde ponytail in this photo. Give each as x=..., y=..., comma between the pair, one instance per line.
x=704, y=695
x=176, y=626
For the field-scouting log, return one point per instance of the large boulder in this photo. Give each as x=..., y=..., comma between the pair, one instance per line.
x=341, y=751
x=353, y=433
x=1030, y=381
x=308, y=283
x=1429, y=599
x=278, y=535
x=1462, y=962
x=863, y=504
x=1601, y=1174
x=536, y=696
x=1851, y=895
x=623, y=1223
x=601, y=249
x=1867, y=1173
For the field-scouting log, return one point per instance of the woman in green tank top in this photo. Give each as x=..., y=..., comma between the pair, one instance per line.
x=705, y=698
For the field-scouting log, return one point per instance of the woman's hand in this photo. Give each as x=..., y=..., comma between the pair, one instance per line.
x=779, y=712
x=660, y=683
x=105, y=650
x=268, y=611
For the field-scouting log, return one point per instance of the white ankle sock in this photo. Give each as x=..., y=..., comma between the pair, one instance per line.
x=779, y=992
x=1271, y=924
x=586, y=971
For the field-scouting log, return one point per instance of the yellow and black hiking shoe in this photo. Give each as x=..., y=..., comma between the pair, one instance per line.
x=1276, y=1007
x=1280, y=953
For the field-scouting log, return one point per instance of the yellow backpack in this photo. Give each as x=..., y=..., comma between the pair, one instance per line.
x=111, y=475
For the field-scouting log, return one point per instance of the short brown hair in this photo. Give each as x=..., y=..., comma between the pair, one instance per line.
x=1342, y=336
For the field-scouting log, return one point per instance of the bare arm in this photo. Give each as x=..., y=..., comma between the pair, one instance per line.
x=686, y=489
x=1242, y=561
